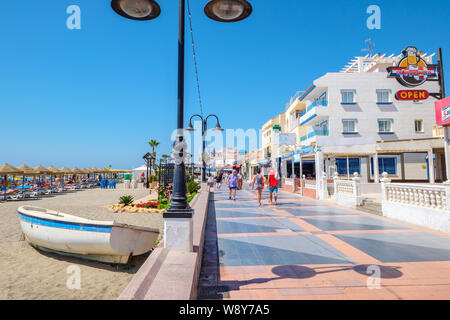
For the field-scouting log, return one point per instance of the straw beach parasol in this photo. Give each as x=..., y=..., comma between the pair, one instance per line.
x=76, y=171
x=26, y=172
x=54, y=171
x=6, y=170
x=64, y=171
x=41, y=171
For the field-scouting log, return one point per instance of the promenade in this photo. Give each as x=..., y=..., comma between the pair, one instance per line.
x=308, y=249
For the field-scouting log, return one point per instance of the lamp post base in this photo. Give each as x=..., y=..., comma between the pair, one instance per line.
x=178, y=213
x=178, y=234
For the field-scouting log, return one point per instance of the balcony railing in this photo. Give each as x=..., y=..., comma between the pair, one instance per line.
x=317, y=103
x=438, y=132
x=325, y=132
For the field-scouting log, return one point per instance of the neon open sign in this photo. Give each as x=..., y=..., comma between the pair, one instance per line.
x=412, y=95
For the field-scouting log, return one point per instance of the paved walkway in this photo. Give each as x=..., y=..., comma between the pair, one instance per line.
x=308, y=249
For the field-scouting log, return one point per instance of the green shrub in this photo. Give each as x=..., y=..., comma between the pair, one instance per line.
x=192, y=187
x=126, y=200
x=164, y=206
x=191, y=196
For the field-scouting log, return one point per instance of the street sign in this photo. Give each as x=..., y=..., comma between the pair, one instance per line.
x=412, y=95
x=284, y=138
x=442, y=109
x=412, y=70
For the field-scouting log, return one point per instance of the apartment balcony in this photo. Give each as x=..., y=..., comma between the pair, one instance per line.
x=313, y=136
x=438, y=131
x=314, y=113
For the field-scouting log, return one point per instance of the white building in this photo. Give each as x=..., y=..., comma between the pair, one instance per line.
x=226, y=157
x=345, y=114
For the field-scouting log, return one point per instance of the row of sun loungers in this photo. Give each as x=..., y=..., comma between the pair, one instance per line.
x=37, y=191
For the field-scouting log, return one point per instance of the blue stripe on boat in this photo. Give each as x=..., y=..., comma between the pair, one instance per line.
x=64, y=225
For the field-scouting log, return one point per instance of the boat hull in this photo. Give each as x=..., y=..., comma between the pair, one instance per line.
x=93, y=240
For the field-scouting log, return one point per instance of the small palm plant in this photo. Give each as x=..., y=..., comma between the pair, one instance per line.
x=126, y=200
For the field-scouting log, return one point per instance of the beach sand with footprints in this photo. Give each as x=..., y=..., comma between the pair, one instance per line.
x=27, y=273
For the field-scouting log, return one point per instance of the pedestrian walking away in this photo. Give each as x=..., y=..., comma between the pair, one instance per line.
x=273, y=186
x=258, y=184
x=219, y=180
x=232, y=182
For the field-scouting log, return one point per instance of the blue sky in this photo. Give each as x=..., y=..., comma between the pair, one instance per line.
x=95, y=96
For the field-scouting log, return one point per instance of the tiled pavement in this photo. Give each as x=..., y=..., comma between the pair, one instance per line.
x=307, y=249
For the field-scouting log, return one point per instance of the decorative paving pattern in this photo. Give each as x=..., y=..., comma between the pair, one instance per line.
x=401, y=247
x=318, y=211
x=247, y=213
x=257, y=226
x=351, y=223
x=285, y=250
x=307, y=249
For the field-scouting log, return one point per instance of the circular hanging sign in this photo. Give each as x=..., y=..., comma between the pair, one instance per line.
x=412, y=70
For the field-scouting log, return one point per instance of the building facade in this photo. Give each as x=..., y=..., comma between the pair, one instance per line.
x=343, y=115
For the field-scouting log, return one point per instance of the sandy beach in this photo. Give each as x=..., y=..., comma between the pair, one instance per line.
x=31, y=274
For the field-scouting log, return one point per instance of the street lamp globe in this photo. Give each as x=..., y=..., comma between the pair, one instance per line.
x=228, y=10
x=136, y=9
x=190, y=128
x=218, y=128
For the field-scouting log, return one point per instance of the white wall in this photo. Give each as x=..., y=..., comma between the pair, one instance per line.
x=425, y=217
x=415, y=166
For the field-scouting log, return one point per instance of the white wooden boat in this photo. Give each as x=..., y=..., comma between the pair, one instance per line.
x=105, y=241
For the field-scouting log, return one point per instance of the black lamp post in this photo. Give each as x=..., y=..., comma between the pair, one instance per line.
x=204, y=129
x=219, y=10
x=148, y=157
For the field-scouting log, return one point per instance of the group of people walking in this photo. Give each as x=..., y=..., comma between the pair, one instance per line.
x=258, y=182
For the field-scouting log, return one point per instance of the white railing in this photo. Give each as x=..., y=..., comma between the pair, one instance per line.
x=348, y=192
x=427, y=196
x=310, y=184
x=425, y=205
x=344, y=186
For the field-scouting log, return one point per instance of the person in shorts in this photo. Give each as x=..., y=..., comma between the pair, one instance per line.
x=219, y=180
x=232, y=182
x=258, y=185
x=273, y=186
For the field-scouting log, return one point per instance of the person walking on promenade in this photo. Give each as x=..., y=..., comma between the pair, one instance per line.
x=258, y=184
x=232, y=183
x=219, y=180
x=273, y=185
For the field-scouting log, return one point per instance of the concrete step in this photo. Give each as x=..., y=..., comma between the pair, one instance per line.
x=371, y=206
x=370, y=210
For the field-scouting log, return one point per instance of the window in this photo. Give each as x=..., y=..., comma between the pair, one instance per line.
x=385, y=164
x=348, y=96
x=354, y=165
x=383, y=96
x=385, y=125
x=349, y=126
x=418, y=124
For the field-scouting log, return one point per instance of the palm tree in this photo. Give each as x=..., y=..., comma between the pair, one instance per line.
x=153, y=144
x=165, y=156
